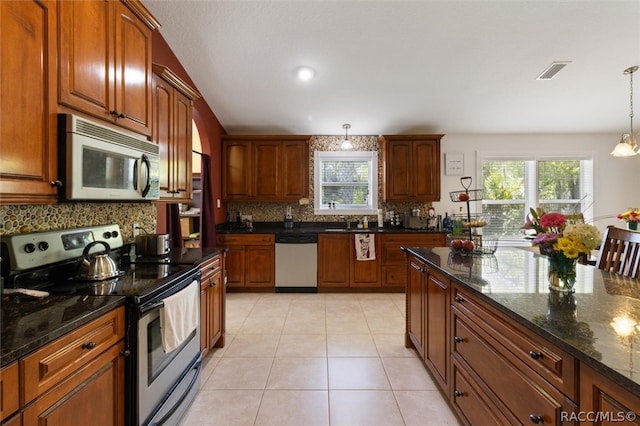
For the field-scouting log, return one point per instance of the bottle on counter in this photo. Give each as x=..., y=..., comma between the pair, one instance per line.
x=365, y=222
x=447, y=224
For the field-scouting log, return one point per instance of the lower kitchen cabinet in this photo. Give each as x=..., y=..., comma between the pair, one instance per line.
x=598, y=394
x=9, y=401
x=212, y=306
x=339, y=268
x=428, y=318
x=393, y=260
x=250, y=260
x=497, y=362
x=78, y=378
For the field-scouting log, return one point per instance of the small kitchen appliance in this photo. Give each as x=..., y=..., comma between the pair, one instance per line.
x=153, y=245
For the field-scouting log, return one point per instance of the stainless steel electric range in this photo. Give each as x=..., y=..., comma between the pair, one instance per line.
x=159, y=386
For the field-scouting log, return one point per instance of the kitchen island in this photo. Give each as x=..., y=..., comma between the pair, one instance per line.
x=504, y=349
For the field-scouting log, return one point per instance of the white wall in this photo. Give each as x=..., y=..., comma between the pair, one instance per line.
x=616, y=180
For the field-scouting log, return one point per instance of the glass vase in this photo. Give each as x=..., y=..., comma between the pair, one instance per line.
x=633, y=226
x=562, y=273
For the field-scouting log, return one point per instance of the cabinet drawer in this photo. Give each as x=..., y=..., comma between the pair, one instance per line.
x=211, y=266
x=394, y=276
x=58, y=359
x=470, y=400
x=505, y=379
x=253, y=239
x=550, y=362
x=9, y=402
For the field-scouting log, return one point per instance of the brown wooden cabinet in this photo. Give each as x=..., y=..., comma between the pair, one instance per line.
x=526, y=366
x=393, y=259
x=411, y=167
x=172, y=130
x=105, y=60
x=338, y=266
x=9, y=385
x=265, y=168
x=212, y=306
x=428, y=318
x=78, y=378
x=28, y=118
x=599, y=395
x=249, y=261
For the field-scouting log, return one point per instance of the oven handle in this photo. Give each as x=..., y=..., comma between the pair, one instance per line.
x=150, y=307
x=192, y=383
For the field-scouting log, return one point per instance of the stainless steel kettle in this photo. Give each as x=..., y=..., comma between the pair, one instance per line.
x=98, y=266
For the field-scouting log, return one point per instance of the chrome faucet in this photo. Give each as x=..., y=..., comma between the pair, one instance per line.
x=346, y=221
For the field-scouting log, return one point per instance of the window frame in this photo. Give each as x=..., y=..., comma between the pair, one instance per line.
x=369, y=156
x=531, y=196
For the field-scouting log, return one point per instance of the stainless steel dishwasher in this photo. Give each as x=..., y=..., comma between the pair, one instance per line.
x=296, y=262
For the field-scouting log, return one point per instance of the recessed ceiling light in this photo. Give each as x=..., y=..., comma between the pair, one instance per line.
x=305, y=73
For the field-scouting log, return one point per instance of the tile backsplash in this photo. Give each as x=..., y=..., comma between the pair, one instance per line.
x=16, y=219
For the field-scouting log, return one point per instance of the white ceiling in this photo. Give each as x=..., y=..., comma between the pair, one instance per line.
x=400, y=66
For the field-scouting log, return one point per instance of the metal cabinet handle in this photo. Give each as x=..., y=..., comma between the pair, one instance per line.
x=117, y=114
x=535, y=418
x=88, y=345
x=458, y=299
x=458, y=393
x=535, y=355
x=458, y=339
x=56, y=183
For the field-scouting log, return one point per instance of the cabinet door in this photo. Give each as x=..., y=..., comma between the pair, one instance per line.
x=94, y=395
x=266, y=157
x=365, y=273
x=260, y=266
x=181, y=159
x=132, y=70
x=237, y=174
x=436, y=327
x=425, y=173
x=333, y=260
x=216, y=309
x=235, y=265
x=28, y=111
x=598, y=394
x=399, y=170
x=163, y=130
x=87, y=71
x=204, y=316
x=9, y=401
x=415, y=305
x=294, y=170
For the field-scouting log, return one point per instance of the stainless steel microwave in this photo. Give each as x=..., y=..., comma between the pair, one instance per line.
x=101, y=163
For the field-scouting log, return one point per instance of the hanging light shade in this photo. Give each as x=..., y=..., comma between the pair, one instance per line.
x=346, y=144
x=627, y=147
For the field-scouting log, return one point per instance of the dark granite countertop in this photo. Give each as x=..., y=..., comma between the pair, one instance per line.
x=182, y=256
x=514, y=281
x=28, y=323
x=316, y=228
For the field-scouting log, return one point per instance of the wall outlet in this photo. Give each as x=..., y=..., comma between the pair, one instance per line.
x=136, y=229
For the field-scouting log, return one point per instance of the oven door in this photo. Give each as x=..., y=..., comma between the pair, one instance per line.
x=163, y=376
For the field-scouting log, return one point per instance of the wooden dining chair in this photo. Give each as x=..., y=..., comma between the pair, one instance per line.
x=620, y=252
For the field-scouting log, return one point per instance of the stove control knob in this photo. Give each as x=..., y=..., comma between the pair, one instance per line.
x=107, y=235
x=29, y=248
x=43, y=245
x=114, y=234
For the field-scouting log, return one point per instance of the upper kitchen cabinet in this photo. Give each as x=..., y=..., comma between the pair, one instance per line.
x=265, y=168
x=172, y=130
x=411, y=170
x=28, y=110
x=105, y=60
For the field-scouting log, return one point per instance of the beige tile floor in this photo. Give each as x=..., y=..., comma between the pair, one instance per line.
x=316, y=359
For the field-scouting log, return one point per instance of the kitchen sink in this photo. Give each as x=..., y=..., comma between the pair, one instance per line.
x=337, y=229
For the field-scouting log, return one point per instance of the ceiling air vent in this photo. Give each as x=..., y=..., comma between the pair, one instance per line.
x=552, y=70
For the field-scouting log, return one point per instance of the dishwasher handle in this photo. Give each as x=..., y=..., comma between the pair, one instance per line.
x=296, y=238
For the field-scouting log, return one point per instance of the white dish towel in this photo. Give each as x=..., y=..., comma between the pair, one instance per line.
x=179, y=316
x=365, y=247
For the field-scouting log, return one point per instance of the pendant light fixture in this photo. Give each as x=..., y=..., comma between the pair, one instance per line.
x=627, y=147
x=346, y=144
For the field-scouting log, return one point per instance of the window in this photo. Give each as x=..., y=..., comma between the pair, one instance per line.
x=345, y=182
x=512, y=186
